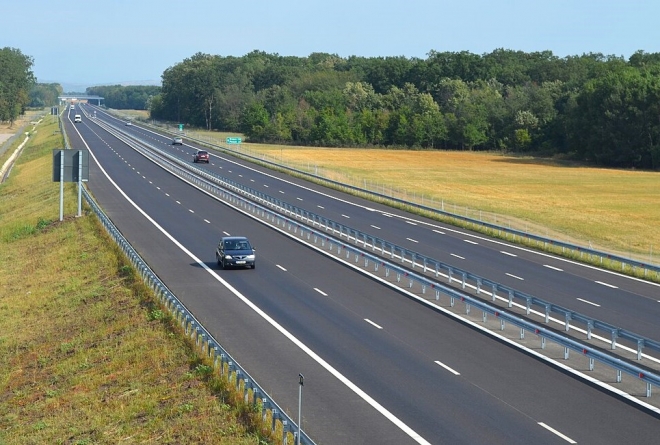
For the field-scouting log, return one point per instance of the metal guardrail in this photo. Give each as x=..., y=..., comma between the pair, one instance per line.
x=222, y=188
x=253, y=394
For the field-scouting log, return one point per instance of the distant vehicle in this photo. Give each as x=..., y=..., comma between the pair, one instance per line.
x=177, y=140
x=73, y=107
x=77, y=118
x=235, y=251
x=128, y=124
x=201, y=156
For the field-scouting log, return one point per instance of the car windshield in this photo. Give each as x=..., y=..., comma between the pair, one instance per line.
x=237, y=245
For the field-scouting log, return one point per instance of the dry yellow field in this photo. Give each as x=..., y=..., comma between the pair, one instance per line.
x=618, y=210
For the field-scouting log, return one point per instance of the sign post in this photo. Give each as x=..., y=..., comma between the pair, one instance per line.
x=70, y=166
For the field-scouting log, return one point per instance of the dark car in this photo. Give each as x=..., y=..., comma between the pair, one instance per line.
x=177, y=140
x=235, y=251
x=201, y=156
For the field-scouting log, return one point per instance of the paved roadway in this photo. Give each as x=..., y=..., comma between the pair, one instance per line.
x=363, y=334
x=622, y=301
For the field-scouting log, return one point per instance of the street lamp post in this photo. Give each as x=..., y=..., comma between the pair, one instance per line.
x=301, y=383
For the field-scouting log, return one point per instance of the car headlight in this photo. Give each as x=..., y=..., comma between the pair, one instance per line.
x=250, y=257
x=228, y=257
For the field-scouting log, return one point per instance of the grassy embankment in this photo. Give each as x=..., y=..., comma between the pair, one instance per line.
x=612, y=210
x=86, y=355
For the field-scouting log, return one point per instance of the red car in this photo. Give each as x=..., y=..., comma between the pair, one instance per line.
x=201, y=156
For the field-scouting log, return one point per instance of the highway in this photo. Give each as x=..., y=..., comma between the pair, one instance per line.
x=620, y=300
x=379, y=367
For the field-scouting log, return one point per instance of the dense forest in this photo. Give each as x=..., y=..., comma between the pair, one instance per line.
x=600, y=109
x=133, y=97
x=16, y=80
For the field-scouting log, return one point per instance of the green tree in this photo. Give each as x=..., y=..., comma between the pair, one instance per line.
x=16, y=80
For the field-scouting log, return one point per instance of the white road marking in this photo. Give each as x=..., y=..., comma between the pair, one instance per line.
x=554, y=431
x=177, y=202
x=553, y=268
x=411, y=223
x=457, y=256
x=191, y=210
x=438, y=231
x=470, y=241
x=514, y=276
x=508, y=253
x=375, y=227
x=226, y=233
x=372, y=323
x=299, y=199
x=448, y=368
x=281, y=267
x=320, y=292
x=282, y=191
x=167, y=194
x=320, y=207
x=412, y=240
x=588, y=302
x=345, y=216
x=608, y=285
x=207, y=221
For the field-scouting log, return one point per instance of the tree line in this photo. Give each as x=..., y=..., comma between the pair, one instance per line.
x=16, y=80
x=596, y=108
x=133, y=97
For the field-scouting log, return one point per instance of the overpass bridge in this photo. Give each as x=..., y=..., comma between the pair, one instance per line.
x=73, y=98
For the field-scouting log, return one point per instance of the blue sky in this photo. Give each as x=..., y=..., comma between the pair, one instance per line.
x=113, y=41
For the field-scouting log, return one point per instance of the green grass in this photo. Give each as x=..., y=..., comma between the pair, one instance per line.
x=87, y=356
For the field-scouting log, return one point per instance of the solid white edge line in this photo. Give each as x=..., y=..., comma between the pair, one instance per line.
x=554, y=431
x=281, y=267
x=447, y=368
x=313, y=355
x=320, y=291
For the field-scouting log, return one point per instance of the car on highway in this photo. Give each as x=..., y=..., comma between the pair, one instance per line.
x=177, y=140
x=201, y=156
x=129, y=123
x=235, y=251
x=77, y=118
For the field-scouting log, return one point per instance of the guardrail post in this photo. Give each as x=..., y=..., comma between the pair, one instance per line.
x=522, y=333
x=640, y=346
x=510, y=304
x=648, y=389
x=566, y=352
x=590, y=326
x=618, y=376
x=547, y=313
x=484, y=316
x=467, y=308
x=615, y=335
x=591, y=363
x=567, y=321
x=494, y=293
x=528, y=307
x=478, y=286
x=464, y=279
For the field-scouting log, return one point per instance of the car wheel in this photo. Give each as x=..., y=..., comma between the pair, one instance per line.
x=254, y=265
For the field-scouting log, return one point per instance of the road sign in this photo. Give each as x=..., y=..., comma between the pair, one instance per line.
x=180, y=127
x=233, y=140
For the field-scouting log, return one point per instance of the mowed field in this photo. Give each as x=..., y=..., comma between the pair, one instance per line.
x=617, y=210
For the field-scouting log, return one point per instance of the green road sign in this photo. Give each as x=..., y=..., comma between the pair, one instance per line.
x=233, y=140
x=180, y=127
